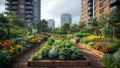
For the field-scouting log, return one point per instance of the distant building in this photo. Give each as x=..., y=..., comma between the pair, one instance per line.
x=66, y=17
x=27, y=10
x=51, y=23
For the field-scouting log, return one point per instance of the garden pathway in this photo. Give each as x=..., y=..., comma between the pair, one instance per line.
x=94, y=60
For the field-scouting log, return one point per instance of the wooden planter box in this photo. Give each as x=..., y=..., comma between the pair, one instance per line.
x=17, y=56
x=96, y=52
x=57, y=63
x=75, y=41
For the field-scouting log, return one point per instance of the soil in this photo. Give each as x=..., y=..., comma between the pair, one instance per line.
x=95, y=61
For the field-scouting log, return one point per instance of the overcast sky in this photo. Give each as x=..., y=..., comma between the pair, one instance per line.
x=52, y=9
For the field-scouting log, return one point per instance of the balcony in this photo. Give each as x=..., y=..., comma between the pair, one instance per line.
x=14, y=7
x=29, y=12
x=7, y=7
x=90, y=17
x=28, y=3
x=29, y=16
x=90, y=8
x=90, y=4
x=30, y=7
x=7, y=3
x=90, y=13
x=14, y=3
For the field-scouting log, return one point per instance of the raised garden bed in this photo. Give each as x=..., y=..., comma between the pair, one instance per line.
x=48, y=63
x=16, y=56
x=96, y=52
x=75, y=41
x=57, y=52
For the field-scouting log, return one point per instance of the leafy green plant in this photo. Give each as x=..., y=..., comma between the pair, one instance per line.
x=5, y=59
x=51, y=41
x=112, y=60
x=53, y=53
x=84, y=40
x=90, y=44
x=64, y=53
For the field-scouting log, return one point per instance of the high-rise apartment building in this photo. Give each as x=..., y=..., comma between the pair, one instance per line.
x=105, y=6
x=95, y=8
x=51, y=23
x=27, y=10
x=87, y=10
x=66, y=17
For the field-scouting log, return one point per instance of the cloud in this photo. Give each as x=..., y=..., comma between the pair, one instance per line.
x=53, y=9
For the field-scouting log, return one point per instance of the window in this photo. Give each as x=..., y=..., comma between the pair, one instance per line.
x=21, y=6
x=95, y=7
x=96, y=1
x=21, y=15
x=21, y=1
x=21, y=10
x=103, y=10
x=103, y=3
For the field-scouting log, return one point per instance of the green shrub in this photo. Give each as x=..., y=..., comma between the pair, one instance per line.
x=112, y=61
x=5, y=59
x=84, y=40
x=115, y=44
x=81, y=35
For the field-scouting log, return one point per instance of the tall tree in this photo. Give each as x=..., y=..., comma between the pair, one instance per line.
x=65, y=27
x=74, y=28
x=42, y=26
x=103, y=19
x=114, y=19
x=15, y=21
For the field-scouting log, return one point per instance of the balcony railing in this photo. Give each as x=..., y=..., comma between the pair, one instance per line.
x=15, y=2
x=28, y=3
x=29, y=7
x=29, y=16
x=29, y=12
x=14, y=7
x=7, y=3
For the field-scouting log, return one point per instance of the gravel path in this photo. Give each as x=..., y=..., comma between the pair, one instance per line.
x=94, y=60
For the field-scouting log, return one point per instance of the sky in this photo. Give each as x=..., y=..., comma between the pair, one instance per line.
x=52, y=9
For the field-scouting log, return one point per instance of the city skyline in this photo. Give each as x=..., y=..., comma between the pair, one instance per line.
x=53, y=9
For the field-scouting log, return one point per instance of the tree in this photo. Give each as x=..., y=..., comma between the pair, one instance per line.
x=5, y=23
x=15, y=21
x=102, y=20
x=81, y=25
x=65, y=27
x=42, y=26
x=93, y=22
x=74, y=28
x=114, y=19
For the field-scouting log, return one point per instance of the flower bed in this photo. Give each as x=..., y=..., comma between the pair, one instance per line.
x=18, y=55
x=57, y=52
x=17, y=47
